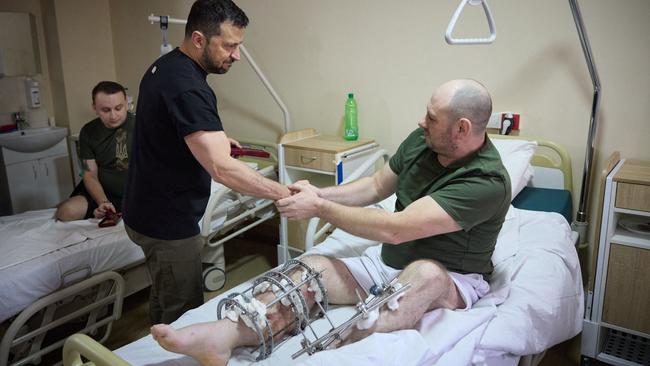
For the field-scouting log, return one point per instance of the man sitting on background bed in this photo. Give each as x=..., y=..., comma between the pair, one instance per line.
x=104, y=146
x=452, y=197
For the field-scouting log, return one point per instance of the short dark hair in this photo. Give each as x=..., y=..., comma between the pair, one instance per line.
x=108, y=87
x=206, y=17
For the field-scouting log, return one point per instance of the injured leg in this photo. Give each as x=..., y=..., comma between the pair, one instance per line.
x=199, y=341
x=262, y=315
x=432, y=288
x=279, y=303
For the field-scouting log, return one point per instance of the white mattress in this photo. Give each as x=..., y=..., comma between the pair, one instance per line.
x=37, y=252
x=535, y=302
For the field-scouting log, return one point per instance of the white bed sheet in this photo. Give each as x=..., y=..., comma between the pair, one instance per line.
x=535, y=302
x=37, y=263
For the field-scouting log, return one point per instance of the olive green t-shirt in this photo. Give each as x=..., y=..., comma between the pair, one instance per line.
x=110, y=148
x=474, y=191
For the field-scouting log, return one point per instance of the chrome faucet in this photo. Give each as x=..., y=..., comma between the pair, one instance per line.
x=19, y=119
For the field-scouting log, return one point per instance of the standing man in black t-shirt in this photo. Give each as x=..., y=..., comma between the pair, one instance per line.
x=104, y=147
x=179, y=145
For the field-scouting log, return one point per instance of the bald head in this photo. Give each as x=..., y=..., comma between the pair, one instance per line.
x=466, y=99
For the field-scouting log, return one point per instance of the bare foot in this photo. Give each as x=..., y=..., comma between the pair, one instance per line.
x=199, y=341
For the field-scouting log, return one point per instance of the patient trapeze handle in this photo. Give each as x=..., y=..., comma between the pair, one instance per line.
x=454, y=18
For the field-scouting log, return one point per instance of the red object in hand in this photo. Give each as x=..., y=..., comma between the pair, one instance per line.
x=111, y=219
x=236, y=152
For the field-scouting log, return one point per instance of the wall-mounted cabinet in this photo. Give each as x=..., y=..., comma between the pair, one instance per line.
x=19, y=52
x=34, y=181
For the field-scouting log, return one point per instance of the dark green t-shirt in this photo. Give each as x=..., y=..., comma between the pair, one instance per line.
x=474, y=191
x=110, y=148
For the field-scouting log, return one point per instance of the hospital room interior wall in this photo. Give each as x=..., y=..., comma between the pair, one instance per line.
x=76, y=51
x=86, y=52
x=33, y=7
x=137, y=41
x=392, y=54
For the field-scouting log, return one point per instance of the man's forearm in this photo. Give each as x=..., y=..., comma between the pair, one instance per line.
x=238, y=176
x=94, y=188
x=361, y=192
x=369, y=223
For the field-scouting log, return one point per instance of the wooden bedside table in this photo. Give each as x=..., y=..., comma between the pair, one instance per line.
x=324, y=160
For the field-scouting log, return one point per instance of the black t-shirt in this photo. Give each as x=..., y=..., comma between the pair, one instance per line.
x=167, y=189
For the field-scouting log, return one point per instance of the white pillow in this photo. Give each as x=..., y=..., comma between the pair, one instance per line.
x=515, y=156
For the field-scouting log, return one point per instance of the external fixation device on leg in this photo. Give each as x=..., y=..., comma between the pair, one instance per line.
x=367, y=311
x=252, y=312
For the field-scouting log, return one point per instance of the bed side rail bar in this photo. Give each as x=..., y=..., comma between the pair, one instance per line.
x=213, y=210
x=110, y=291
x=312, y=234
x=78, y=345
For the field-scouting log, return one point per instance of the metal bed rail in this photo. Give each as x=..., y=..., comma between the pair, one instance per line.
x=106, y=289
x=241, y=215
x=313, y=234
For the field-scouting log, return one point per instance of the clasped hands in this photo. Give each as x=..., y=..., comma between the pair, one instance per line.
x=304, y=203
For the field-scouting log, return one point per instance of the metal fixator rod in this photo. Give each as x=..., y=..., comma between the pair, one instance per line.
x=454, y=19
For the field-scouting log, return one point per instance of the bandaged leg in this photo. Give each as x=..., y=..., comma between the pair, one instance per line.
x=366, y=315
x=277, y=287
x=290, y=291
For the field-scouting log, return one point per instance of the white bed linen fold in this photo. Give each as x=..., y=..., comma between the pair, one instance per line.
x=535, y=302
x=24, y=237
x=33, y=277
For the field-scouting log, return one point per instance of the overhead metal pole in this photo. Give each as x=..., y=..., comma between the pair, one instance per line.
x=581, y=214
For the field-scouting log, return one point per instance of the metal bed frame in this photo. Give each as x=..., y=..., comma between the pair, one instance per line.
x=101, y=298
x=252, y=215
x=25, y=334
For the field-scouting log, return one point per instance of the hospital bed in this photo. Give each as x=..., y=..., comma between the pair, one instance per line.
x=229, y=213
x=54, y=274
x=535, y=301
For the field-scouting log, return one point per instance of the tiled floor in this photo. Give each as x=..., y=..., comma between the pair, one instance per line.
x=250, y=255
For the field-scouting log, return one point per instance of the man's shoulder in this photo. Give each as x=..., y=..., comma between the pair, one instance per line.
x=489, y=157
x=179, y=72
x=129, y=123
x=414, y=141
x=91, y=126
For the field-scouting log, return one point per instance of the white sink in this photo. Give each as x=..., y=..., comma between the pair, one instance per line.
x=33, y=139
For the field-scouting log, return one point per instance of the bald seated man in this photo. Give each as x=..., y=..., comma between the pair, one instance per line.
x=452, y=197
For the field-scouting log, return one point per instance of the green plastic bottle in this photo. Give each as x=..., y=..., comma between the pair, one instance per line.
x=351, y=128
